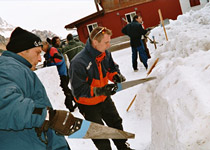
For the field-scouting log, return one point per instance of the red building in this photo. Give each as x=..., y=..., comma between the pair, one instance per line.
x=114, y=11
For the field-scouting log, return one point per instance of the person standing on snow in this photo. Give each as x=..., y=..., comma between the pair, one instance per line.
x=90, y=71
x=53, y=57
x=135, y=31
x=27, y=118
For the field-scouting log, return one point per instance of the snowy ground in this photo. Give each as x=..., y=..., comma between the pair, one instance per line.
x=173, y=111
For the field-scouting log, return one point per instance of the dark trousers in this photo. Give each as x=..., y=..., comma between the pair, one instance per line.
x=142, y=56
x=107, y=112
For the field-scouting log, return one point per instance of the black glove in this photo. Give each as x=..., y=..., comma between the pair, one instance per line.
x=59, y=120
x=118, y=78
x=47, y=61
x=69, y=102
x=107, y=90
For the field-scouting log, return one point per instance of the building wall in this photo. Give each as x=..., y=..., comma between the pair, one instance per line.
x=185, y=5
x=149, y=12
x=110, y=5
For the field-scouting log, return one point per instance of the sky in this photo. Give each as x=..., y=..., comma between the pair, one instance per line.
x=50, y=15
x=172, y=111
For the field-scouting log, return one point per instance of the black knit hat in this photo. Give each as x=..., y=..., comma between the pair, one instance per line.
x=21, y=40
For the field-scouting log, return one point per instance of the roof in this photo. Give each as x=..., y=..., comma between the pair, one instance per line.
x=80, y=21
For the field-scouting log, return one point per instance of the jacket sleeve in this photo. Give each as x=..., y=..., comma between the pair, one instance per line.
x=16, y=110
x=55, y=55
x=113, y=67
x=124, y=30
x=78, y=78
x=142, y=31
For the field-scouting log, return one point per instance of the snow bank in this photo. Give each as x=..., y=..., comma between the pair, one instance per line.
x=180, y=97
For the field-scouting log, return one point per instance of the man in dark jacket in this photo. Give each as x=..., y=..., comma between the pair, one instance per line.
x=73, y=47
x=27, y=119
x=135, y=31
x=90, y=71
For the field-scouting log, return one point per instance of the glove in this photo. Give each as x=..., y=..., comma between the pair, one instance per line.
x=118, y=78
x=107, y=90
x=69, y=102
x=59, y=120
x=47, y=61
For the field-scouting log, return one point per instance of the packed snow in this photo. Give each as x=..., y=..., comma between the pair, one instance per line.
x=171, y=112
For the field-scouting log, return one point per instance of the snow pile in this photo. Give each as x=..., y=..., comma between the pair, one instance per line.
x=180, y=97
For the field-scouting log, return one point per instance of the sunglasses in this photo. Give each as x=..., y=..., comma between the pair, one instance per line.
x=103, y=30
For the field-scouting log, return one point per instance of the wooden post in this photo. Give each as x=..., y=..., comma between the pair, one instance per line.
x=153, y=37
x=161, y=19
x=131, y=103
x=152, y=67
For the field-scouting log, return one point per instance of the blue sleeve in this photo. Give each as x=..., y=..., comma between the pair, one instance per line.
x=16, y=110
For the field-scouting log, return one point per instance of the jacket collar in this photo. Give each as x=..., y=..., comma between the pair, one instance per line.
x=135, y=21
x=92, y=51
x=17, y=57
x=100, y=57
x=71, y=41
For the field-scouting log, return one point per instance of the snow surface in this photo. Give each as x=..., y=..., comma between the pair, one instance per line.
x=173, y=111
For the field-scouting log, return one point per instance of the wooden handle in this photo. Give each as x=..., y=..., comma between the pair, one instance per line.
x=161, y=19
x=152, y=67
x=131, y=102
x=153, y=37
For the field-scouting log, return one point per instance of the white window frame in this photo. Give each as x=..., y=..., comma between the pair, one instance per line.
x=131, y=14
x=94, y=25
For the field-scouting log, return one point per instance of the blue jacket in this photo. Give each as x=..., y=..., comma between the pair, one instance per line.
x=88, y=69
x=22, y=92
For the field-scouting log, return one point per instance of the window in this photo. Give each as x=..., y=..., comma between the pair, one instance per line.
x=129, y=16
x=90, y=27
x=194, y=2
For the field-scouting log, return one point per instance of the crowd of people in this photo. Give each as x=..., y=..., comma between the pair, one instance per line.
x=28, y=120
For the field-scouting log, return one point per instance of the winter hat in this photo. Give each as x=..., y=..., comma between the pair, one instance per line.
x=21, y=40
